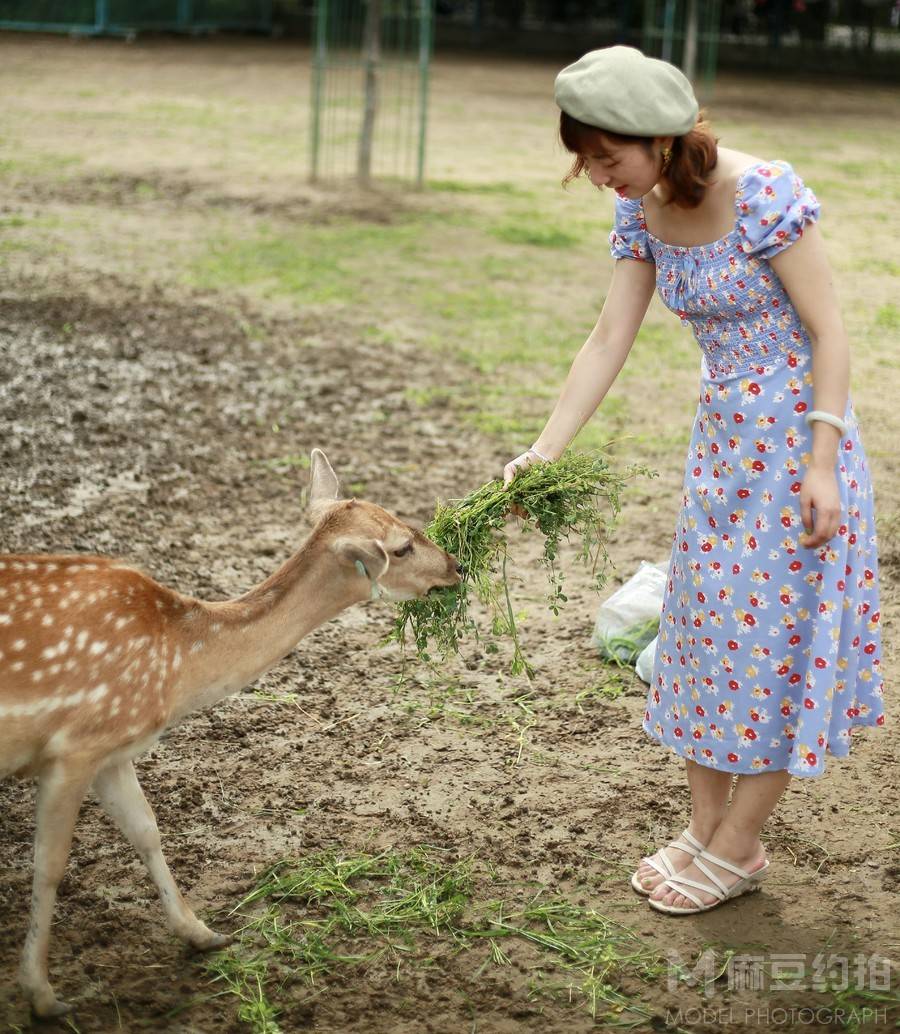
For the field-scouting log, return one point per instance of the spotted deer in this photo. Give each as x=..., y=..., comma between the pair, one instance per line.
x=97, y=660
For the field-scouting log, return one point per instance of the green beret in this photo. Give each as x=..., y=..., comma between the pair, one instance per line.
x=621, y=90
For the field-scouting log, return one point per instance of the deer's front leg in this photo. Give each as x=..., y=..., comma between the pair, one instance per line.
x=123, y=800
x=61, y=789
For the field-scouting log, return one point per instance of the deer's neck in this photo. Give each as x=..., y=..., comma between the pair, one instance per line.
x=238, y=640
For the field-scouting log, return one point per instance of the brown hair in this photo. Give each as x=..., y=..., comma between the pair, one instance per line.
x=693, y=158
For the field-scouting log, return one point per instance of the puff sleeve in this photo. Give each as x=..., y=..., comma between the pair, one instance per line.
x=773, y=206
x=629, y=235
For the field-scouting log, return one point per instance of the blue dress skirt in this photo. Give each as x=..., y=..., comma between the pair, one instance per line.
x=769, y=652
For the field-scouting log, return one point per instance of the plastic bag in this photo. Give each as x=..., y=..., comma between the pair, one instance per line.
x=644, y=664
x=629, y=620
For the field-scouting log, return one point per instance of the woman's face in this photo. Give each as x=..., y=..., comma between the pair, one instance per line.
x=629, y=169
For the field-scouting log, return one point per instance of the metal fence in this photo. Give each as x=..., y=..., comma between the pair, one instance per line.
x=859, y=37
x=129, y=17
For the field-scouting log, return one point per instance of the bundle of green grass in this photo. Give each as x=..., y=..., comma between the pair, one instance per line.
x=575, y=498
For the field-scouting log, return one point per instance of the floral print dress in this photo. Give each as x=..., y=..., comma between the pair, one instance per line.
x=769, y=652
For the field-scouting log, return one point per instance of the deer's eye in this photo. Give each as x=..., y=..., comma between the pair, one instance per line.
x=405, y=551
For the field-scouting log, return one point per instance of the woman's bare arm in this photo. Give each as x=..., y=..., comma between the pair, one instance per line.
x=602, y=356
x=804, y=270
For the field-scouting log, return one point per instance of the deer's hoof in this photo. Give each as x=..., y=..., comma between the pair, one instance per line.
x=49, y=1007
x=209, y=940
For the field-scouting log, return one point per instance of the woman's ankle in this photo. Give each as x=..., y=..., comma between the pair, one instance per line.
x=739, y=842
x=703, y=827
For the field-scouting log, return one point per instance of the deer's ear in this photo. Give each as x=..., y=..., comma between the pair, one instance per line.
x=368, y=552
x=324, y=487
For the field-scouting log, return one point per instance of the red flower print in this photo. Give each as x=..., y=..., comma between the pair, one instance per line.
x=810, y=758
x=809, y=704
x=733, y=758
x=820, y=662
x=742, y=493
x=800, y=407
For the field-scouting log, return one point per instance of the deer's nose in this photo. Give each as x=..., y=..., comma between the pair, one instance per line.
x=460, y=570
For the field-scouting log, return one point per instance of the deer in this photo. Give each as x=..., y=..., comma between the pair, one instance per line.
x=98, y=660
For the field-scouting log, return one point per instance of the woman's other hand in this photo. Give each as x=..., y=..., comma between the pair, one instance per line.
x=819, y=492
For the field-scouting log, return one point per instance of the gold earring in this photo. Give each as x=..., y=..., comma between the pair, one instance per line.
x=666, y=156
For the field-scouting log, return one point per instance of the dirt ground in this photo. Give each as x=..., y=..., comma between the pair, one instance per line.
x=137, y=420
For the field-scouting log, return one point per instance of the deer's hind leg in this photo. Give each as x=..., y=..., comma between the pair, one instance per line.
x=122, y=798
x=61, y=789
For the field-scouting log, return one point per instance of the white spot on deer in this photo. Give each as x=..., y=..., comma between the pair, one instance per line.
x=19, y=645
x=55, y=669
x=98, y=693
x=47, y=620
x=98, y=647
x=5, y=619
x=81, y=639
x=37, y=675
x=176, y=659
x=122, y=622
x=58, y=743
x=198, y=646
x=70, y=664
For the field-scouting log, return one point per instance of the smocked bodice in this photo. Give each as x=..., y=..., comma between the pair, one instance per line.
x=727, y=291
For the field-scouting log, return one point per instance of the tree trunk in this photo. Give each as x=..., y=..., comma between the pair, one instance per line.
x=371, y=56
x=689, y=57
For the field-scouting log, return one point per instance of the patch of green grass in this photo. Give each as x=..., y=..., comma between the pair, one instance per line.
x=308, y=919
x=888, y=317
x=285, y=464
x=464, y=187
x=535, y=235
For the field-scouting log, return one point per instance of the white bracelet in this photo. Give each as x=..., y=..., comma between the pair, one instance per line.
x=827, y=418
x=540, y=455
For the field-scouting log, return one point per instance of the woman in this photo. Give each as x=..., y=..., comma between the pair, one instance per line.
x=769, y=645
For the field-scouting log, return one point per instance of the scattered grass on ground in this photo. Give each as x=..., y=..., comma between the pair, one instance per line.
x=309, y=919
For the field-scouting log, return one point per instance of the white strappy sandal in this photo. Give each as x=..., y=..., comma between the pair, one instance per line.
x=693, y=847
x=749, y=881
